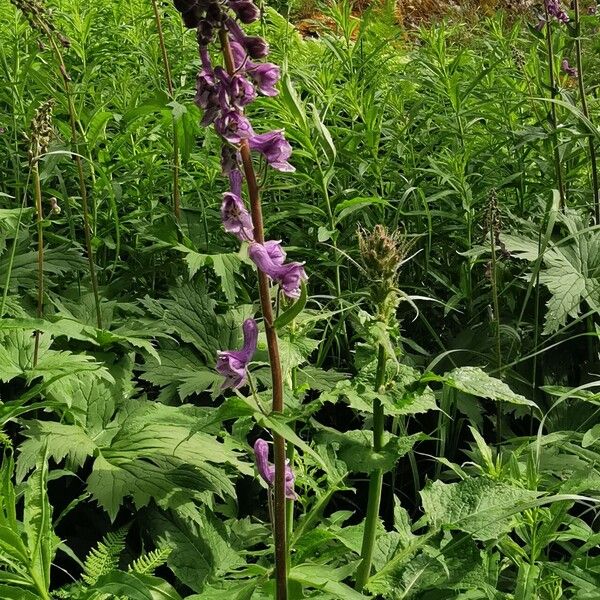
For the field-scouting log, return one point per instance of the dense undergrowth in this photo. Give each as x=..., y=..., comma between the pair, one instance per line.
x=129, y=473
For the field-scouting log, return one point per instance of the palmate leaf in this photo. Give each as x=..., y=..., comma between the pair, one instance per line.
x=191, y=314
x=479, y=506
x=16, y=359
x=201, y=548
x=572, y=269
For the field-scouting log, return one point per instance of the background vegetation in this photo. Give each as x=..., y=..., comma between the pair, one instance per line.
x=127, y=473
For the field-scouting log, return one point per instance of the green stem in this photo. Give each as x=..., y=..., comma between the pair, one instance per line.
x=553, y=118
x=80, y=175
x=375, y=483
x=167, y=65
x=37, y=192
x=586, y=112
x=496, y=306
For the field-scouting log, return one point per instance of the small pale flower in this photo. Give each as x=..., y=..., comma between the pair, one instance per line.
x=568, y=69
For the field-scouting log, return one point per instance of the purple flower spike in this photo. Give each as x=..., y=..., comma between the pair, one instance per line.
x=267, y=470
x=232, y=364
x=245, y=10
x=233, y=126
x=289, y=276
x=235, y=90
x=275, y=148
x=568, y=69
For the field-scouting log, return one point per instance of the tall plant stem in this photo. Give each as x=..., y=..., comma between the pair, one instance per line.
x=167, y=65
x=37, y=194
x=586, y=113
x=279, y=508
x=375, y=482
x=496, y=306
x=553, y=118
x=80, y=174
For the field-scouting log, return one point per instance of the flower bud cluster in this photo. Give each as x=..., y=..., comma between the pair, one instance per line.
x=39, y=18
x=41, y=131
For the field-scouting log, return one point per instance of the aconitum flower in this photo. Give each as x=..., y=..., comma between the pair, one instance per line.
x=264, y=75
x=233, y=126
x=235, y=90
x=245, y=10
x=289, y=276
x=234, y=215
x=275, y=148
x=568, y=69
x=267, y=470
x=233, y=364
x=230, y=159
x=255, y=46
x=275, y=251
x=556, y=10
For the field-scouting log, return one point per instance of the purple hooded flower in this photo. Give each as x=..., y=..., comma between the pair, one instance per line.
x=275, y=251
x=289, y=276
x=233, y=126
x=232, y=364
x=234, y=215
x=255, y=46
x=245, y=10
x=265, y=76
x=230, y=159
x=556, y=10
x=275, y=148
x=235, y=90
x=568, y=69
x=267, y=470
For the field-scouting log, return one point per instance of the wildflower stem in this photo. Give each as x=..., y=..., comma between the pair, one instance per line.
x=37, y=193
x=553, y=118
x=375, y=482
x=80, y=175
x=586, y=113
x=167, y=66
x=279, y=508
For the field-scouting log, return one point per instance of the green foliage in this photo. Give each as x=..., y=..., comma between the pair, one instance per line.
x=490, y=403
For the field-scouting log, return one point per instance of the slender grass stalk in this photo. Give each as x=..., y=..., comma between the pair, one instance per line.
x=81, y=177
x=553, y=117
x=492, y=221
x=279, y=507
x=375, y=483
x=37, y=194
x=167, y=65
x=586, y=112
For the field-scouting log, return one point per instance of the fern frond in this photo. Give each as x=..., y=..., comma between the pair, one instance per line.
x=105, y=557
x=149, y=562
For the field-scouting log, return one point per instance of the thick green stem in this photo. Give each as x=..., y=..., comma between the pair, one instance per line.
x=375, y=482
x=279, y=508
x=586, y=112
x=553, y=118
x=167, y=65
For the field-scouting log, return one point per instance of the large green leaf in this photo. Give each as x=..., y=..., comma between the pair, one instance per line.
x=479, y=506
